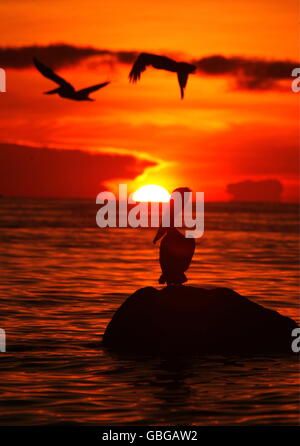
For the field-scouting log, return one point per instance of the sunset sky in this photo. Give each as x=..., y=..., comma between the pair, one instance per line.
x=238, y=121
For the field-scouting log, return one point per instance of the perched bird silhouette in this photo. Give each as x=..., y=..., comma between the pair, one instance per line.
x=176, y=251
x=182, y=69
x=65, y=89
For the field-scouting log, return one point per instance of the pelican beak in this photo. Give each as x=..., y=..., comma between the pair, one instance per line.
x=56, y=90
x=160, y=233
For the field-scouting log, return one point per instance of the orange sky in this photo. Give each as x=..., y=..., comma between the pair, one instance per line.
x=218, y=135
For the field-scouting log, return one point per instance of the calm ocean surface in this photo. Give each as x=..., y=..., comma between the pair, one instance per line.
x=62, y=278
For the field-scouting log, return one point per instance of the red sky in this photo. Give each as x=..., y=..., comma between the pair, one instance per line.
x=223, y=132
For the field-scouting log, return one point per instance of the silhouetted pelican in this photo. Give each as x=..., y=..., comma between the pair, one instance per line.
x=182, y=69
x=176, y=251
x=66, y=90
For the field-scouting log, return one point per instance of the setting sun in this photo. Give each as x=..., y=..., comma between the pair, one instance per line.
x=152, y=192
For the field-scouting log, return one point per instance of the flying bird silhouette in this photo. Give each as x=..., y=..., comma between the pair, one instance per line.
x=65, y=89
x=176, y=251
x=182, y=69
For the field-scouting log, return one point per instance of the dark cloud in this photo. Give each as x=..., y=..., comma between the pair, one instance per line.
x=265, y=158
x=43, y=172
x=250, y=74
x=256, y=191
x=58, y=55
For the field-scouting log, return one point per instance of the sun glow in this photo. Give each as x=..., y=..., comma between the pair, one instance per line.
x=151, y=192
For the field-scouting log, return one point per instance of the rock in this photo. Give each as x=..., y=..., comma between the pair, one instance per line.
x=185, y=319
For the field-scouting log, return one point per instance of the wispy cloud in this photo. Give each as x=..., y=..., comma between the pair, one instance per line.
x=58, y=55
x=247, y=73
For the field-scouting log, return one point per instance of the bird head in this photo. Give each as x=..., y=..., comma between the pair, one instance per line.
x=182, y=190
x=179, y=197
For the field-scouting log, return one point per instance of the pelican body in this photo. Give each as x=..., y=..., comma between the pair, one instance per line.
x=176, y=251
x=183, y=69
x=175, y=255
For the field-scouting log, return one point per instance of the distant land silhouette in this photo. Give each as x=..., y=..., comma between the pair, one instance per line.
x=269, y=190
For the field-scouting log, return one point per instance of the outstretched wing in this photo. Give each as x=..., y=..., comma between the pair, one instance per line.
x=146, y=59
x=93, y=88
x=47, y=72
